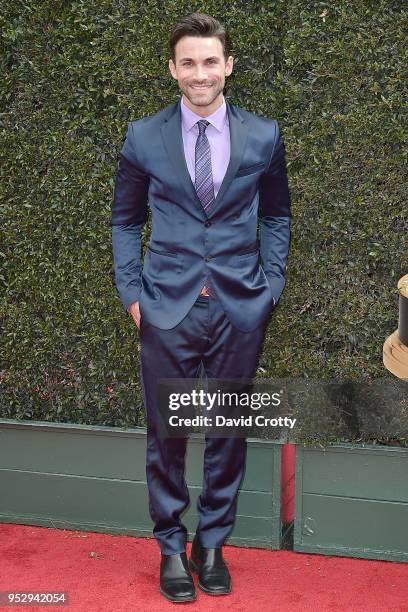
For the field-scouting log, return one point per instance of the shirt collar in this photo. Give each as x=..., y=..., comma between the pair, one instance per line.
x=218, y=118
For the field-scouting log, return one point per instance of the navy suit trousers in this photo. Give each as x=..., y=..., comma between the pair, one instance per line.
x=205, y=336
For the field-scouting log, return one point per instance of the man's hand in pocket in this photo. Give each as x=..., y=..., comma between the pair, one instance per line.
x=135, y=312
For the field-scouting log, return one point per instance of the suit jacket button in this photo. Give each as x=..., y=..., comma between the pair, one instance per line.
x=207, y=223
x=207, y=258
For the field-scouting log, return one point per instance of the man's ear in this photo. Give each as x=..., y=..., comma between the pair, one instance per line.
x=229, y=65
x=172, y=69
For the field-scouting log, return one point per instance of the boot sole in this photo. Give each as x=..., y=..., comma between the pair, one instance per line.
x=177, y=599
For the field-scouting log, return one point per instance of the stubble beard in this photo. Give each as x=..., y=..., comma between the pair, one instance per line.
x=198, y=100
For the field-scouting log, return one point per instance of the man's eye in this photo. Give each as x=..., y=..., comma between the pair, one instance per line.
x=210, y=61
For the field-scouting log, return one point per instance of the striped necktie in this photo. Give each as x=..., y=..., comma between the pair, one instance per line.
x=204, y=180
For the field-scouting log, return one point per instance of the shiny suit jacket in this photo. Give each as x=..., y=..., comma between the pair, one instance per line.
x=242, y=241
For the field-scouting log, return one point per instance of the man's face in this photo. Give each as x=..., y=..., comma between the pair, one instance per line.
x=200, y=69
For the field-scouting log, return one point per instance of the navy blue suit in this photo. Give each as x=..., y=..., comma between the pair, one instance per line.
x=180, y=330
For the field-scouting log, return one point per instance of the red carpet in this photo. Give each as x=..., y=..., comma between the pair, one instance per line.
x=110, y=573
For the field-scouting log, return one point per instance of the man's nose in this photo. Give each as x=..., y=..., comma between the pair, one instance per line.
x=200, y=73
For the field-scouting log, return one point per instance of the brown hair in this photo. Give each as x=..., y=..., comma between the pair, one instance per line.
x=199, y=24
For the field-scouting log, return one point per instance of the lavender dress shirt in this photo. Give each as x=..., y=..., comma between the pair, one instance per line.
x=218, y=135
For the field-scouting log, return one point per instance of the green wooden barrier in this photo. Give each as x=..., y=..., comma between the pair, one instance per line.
x=352, y=500
x=93, y=478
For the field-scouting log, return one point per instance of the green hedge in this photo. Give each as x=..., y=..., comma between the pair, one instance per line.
x=73, y=75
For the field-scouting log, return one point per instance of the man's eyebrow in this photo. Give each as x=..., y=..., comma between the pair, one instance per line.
x=183, y=59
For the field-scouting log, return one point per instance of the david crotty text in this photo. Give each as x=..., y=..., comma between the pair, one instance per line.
x=222, y=421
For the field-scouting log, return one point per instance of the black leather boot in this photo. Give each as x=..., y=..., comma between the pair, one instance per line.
x=176, y=582
x=213, y=575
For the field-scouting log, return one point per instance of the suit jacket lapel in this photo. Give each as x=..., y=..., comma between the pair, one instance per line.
x=173, y=143
x=238, y=137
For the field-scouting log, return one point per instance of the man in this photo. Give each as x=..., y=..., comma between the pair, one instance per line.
x=209, y=171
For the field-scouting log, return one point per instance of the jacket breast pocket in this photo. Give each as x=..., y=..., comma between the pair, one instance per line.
x=250, y=169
